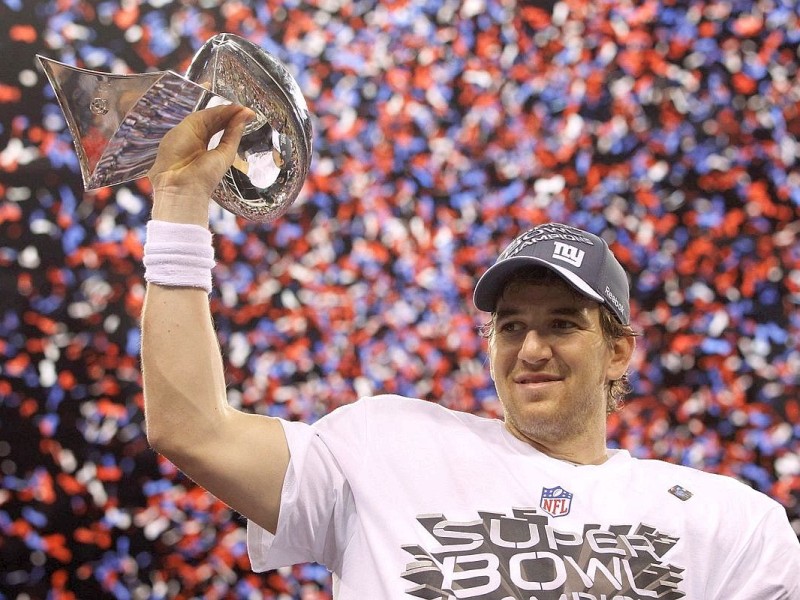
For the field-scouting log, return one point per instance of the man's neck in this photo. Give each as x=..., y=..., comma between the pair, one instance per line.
x=575, y=452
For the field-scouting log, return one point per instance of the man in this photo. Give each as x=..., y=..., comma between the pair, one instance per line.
x=402, y=498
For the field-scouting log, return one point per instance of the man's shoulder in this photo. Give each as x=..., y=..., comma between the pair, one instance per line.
x=395, y=412
x=392, y=428
x=685, y=481
x=395, y=406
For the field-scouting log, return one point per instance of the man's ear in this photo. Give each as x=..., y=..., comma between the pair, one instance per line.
x=621, y=354
x=489, y=344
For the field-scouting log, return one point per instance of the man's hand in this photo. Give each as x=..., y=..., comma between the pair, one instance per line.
x=185, y=172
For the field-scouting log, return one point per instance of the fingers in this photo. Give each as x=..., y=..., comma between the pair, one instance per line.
x=206, y=123
x=233, y=129
x=188, y=143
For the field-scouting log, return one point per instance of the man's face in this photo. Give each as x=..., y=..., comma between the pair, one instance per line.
x=551, y=363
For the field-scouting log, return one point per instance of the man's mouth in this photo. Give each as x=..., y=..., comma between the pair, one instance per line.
x=532, y=378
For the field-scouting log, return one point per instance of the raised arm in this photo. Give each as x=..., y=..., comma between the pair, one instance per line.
x=240, y=458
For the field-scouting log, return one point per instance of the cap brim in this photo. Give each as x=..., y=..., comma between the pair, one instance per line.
x=492, y=281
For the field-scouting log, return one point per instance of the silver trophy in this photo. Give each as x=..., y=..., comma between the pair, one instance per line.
x=118, y=121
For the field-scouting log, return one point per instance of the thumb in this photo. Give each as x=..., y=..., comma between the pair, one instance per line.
x=205, y=123
x=231, y=136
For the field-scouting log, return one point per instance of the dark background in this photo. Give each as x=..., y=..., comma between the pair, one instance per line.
x=442, y=130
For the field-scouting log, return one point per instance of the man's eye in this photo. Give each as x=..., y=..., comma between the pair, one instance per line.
x=563, y=324
x=511, y=326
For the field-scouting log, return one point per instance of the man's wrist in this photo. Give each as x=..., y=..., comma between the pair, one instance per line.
x=178, y=255
x=180, y=208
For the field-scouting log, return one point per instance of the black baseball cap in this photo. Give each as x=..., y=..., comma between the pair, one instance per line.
x=582, y=259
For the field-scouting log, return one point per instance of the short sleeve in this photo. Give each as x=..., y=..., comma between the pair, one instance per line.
x=316, y=511
x=768, y=566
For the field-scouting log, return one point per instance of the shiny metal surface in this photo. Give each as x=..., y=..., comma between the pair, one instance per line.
x=275, y=151
x=118, y=121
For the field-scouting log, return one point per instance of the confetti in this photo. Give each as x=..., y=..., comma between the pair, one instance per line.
x=442, y=130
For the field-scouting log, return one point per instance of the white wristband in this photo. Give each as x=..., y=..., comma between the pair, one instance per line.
x=178, y=255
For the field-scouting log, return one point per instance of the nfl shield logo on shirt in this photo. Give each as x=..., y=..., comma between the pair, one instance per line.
x=556, y=501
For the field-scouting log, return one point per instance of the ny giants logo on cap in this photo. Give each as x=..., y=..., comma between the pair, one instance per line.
x=569, y=254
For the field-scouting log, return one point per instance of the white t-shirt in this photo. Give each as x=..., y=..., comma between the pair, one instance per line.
x=405, y=499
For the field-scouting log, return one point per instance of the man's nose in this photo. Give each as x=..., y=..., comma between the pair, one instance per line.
x=535, y=348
